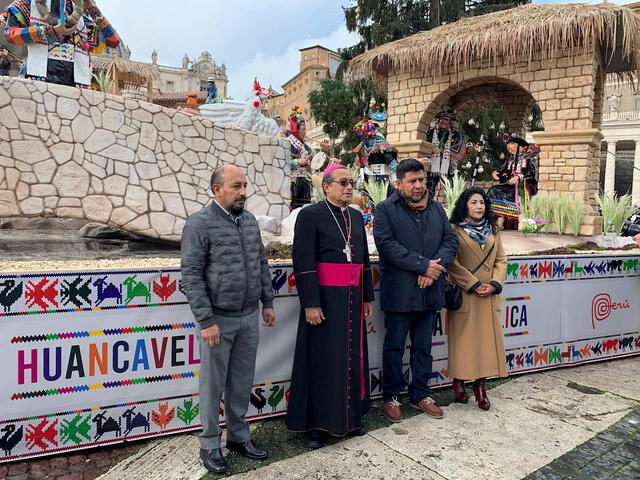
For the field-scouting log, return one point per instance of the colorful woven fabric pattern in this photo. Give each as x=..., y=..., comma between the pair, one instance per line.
x=504, y=208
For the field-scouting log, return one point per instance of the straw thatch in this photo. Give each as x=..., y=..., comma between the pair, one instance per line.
x=521, y=34
x=127, y=74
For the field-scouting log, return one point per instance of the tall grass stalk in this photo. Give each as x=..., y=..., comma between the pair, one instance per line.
x=560, y=212
x=614, y=210
x=377, y=191
x=453, y=189
x=544, y=206
x=103, y=79
x=575, y=215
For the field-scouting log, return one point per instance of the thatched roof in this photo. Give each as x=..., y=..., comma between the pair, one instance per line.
x=129, y=73
x=512, y=36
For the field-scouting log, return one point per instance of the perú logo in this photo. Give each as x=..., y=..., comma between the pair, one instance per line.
x=602, y=306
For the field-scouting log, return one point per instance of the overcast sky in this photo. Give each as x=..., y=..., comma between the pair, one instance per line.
x=254, y=38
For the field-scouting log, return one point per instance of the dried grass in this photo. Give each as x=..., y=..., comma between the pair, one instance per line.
x=522, y=34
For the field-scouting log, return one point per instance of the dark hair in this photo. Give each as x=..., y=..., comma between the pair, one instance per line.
x=408, y=165
x=519, y=141
x=459, y=213
x=328, y=178
x=216, y=176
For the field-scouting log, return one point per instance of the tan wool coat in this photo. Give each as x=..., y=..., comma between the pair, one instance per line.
x=475, y=339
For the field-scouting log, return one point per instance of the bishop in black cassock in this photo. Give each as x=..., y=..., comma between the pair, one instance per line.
x=329, y=382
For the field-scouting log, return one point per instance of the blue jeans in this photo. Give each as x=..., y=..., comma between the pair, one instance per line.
x=419, y=326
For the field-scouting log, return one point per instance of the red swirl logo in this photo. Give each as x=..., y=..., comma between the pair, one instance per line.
x=602, y=306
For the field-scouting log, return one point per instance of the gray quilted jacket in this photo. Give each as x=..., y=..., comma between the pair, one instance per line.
x=224, y=265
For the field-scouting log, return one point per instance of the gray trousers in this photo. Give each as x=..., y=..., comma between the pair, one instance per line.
x=228, y=368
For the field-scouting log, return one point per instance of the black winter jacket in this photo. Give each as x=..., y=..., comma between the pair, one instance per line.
x=407, y=240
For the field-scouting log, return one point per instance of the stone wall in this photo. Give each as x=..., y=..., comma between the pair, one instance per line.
x=73, y=153
x=568, y=88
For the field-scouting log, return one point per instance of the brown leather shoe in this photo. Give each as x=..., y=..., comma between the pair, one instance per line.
x=480, y=391
x=391, y=411
x=428, y=406
x=459, y=392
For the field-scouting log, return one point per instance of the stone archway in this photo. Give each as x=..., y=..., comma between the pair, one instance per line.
x=515, y=99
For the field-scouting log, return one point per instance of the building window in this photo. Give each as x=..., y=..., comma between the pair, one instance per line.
x=203, y=85
x=170, y=86
x=305, y=58
x=637, y=103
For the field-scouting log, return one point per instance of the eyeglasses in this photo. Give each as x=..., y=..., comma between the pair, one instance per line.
x=344, y=182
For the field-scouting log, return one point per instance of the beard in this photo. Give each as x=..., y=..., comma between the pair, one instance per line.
x=236, y=209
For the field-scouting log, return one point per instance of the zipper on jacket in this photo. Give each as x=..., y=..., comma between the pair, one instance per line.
x=244, y=268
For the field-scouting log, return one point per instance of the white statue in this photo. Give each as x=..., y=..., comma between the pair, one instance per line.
x=247, y=116
x=613, y=101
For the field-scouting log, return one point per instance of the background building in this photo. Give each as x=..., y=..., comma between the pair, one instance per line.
x=620, y=159
x=316, y=63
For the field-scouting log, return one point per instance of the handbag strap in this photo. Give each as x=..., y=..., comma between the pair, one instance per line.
x=484, y=259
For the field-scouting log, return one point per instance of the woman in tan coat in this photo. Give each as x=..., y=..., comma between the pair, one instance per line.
x=476, y=340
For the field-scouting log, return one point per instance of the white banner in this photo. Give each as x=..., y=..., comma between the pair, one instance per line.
x=93, y=358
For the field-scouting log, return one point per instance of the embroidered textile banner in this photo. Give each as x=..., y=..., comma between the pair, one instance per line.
x=92, y=358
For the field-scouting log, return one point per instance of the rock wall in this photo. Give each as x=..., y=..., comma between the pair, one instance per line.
x=73, y=153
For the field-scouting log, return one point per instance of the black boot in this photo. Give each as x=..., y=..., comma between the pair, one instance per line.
x=313, y=439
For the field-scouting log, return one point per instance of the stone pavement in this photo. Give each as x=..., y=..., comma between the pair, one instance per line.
x=614, y=453
x=564, y=423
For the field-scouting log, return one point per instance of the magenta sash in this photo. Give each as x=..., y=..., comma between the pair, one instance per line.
x=339, y=274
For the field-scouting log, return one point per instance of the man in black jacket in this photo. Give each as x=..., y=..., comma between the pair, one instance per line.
x=416, y=244
x=225, y=275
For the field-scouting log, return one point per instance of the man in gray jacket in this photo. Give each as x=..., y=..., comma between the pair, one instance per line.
x=225, y=275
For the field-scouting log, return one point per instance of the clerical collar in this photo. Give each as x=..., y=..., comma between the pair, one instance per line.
x=342, y=209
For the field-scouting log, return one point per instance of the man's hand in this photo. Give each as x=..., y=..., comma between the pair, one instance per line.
x=495, y=176
x=637, y=239
x=62, y=31
x=485, y=290
x=514, y=180
x=314, y=315
x=268, y=317
x=368, y=309
x=211, y=335
x=434, y=270
x=424, y=281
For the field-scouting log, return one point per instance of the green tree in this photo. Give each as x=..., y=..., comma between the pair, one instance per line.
x=333, y=105
x=486, y=124
x=381, y=21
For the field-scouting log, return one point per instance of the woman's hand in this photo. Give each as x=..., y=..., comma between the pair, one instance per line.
x=485, y=290
x=424, y=281
x=495, y=176
x=514, y=180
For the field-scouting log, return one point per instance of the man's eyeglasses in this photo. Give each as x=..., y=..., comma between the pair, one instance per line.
x=344, y=182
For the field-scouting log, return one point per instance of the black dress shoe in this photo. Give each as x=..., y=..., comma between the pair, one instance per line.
x=213, y=460
x=249, y=449
x=313, y=439
x=359, y=432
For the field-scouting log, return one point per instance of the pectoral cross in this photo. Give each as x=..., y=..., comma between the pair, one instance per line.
x=347, y=252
